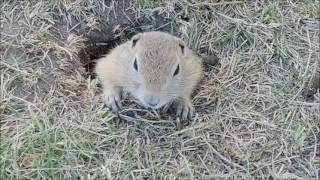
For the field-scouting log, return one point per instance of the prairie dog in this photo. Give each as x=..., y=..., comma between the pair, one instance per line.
x=156, y=68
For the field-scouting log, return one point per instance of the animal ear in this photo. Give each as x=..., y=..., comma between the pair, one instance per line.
x=135, y=39
x=181, y=44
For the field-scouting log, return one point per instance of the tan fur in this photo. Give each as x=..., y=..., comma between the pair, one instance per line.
x=157, y=55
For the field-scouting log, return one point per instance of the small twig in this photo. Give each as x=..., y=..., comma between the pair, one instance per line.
x=224, y=158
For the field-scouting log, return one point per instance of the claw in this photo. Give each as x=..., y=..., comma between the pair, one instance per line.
x=179, y=110
x=185, y=113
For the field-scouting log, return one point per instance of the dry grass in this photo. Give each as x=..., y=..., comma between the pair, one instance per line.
x=252, y=119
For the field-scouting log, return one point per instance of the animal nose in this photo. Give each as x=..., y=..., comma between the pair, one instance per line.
x=152, y=100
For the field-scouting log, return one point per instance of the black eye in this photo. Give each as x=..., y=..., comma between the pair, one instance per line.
x=135, y=66
x=176, y=71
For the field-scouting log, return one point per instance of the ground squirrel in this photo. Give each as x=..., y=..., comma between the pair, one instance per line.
x=154, y=67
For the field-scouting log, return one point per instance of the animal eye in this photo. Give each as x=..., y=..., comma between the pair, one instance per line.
x=135, y=65
x=176, y=71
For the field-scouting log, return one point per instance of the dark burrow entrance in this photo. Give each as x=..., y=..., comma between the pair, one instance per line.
x=100, y=43
x=92, y=52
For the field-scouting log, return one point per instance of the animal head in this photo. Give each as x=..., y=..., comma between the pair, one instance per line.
x=157, y=67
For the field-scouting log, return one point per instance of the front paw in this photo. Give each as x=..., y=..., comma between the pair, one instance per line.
x=113, y=102
x=184, y=110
